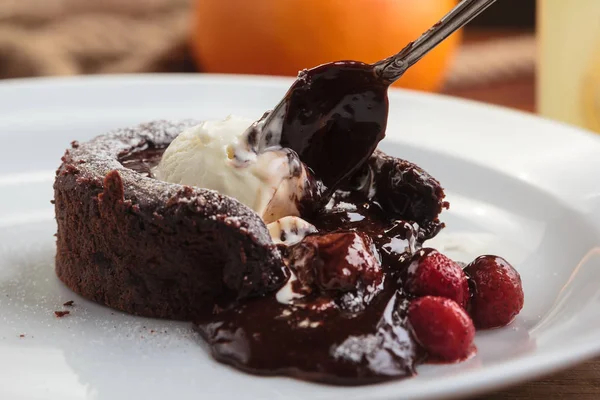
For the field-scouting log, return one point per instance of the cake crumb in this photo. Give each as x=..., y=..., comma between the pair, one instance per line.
x=22, y=335
x=75, y=144
x=69, y=303
x=61, y=314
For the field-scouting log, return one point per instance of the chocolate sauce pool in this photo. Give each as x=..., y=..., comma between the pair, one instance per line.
x=349, y=327
x=351, y=337
x=314, y=340
x=142, y=160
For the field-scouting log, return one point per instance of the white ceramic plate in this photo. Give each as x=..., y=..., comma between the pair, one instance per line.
x=519, y=186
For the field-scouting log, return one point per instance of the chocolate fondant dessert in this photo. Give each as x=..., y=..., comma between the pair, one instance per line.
x=152, y=248
x=158, y=249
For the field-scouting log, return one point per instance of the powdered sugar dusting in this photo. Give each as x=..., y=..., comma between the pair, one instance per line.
x=94, y=159
x=30, y=293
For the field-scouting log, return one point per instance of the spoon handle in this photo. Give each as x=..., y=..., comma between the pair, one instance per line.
x=392, y=68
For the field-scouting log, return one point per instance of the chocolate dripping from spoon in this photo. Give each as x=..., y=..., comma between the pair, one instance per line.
x=335, y=114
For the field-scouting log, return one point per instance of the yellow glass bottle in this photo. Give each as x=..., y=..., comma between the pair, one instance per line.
x=568, y=87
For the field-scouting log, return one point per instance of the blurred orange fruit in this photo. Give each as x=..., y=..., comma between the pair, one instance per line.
x=281, y=37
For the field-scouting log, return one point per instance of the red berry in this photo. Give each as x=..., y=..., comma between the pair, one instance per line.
x=433, y=274
x=497, y=292
x=442, y=327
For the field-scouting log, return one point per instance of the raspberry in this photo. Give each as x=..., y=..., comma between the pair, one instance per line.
x=442, y=327
x=433, y=274
x=497, y=292
x=340, y=261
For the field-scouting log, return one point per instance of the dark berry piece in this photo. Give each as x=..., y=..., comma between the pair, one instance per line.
x=442, y=327
x=340, y=261
x=497, y=292
x=433, y=274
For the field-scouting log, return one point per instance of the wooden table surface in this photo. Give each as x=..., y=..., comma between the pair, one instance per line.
x=583, y=381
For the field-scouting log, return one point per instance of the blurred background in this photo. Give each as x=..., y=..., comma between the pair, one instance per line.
x=493, y=59
x=67, y=37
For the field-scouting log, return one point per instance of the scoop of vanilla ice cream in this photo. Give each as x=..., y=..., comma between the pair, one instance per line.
x=215, y=155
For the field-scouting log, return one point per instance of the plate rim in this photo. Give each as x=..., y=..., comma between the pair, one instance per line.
x=41, y=82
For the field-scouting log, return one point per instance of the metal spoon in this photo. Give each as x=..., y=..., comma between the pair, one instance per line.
x=392, y=68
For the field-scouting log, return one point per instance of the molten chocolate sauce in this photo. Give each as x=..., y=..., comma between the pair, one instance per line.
x=353, y=337
x=336, y=115
x=333, y=116
x=315, y=340
x=142, y=160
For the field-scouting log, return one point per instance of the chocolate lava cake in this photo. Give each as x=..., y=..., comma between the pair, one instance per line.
x=149, y=247
x=157, y=249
